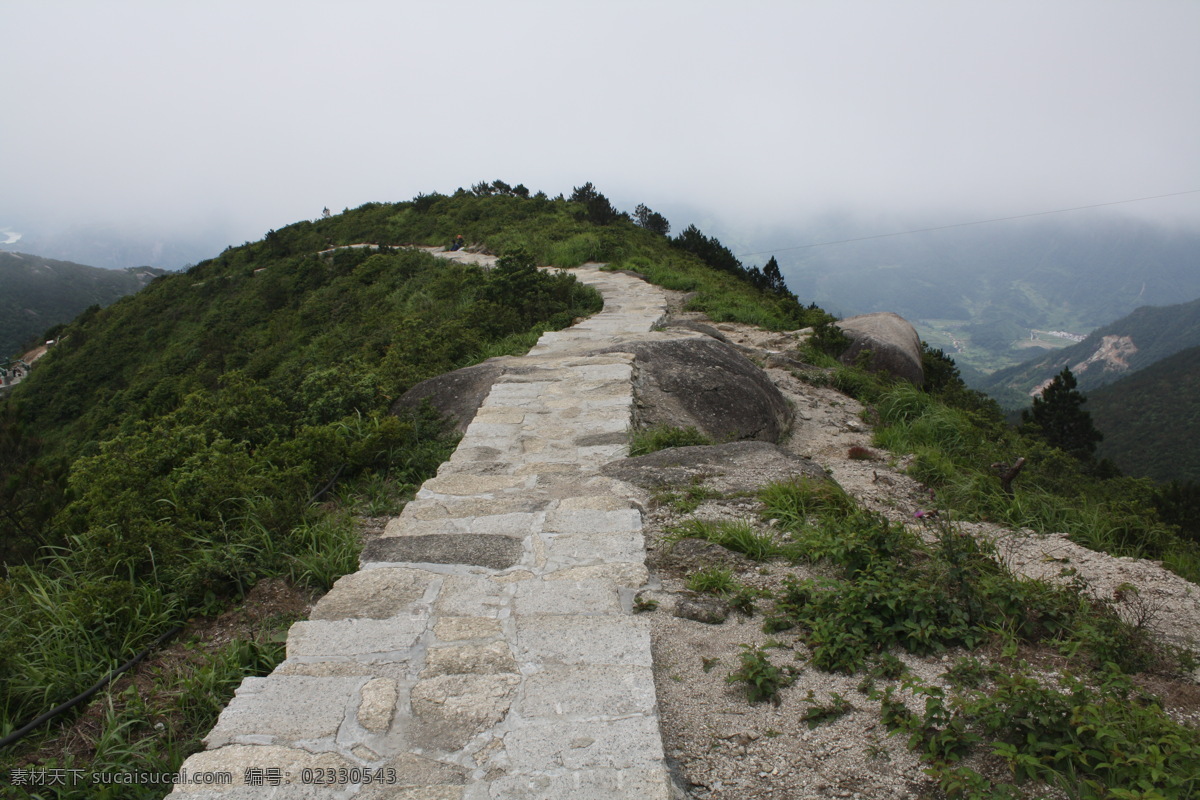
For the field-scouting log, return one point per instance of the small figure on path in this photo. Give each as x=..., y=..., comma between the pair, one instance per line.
x=458, y=243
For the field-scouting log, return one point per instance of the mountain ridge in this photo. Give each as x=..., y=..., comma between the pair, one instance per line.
x=1136, y=341
x=223, y=427
x=978, y=291
x=43, y=292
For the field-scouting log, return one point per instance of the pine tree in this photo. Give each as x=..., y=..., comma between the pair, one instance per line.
x=599, y=209
x=774, y=278
x=1059, y=416
x=651, y=220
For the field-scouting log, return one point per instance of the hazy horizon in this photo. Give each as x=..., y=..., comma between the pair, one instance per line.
x=212, y=123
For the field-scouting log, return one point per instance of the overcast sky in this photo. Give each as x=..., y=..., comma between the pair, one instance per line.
x=243, y=116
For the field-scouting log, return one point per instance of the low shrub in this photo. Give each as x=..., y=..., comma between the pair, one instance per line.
x=761, y=680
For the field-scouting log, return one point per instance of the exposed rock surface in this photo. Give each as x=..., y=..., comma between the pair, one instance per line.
x=894, y=344
x=681, y=381
x=700, y=382
x=698, y=327
x=733, y=467
x=457, y=394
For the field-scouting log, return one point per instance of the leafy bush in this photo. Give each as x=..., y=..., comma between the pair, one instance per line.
x=827, y=339
x=760, y=679
x=818, y=713
x=1092, y=739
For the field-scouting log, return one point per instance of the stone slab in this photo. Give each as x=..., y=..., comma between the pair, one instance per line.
x=374, y=593
x=573, y=640
x=239, y=761
x=452, y=709
x=355, y=639
x=285, y=708
x=455, y=629
x=462, y=484
x=378, y=704
x=470, y=596
x=493, y=551
x=625, y=743
x=566, y=597
x=465, y=507
x=461, y=659
x=627, y=574
x=593, y=521
x=576, y=549
x=560, y=691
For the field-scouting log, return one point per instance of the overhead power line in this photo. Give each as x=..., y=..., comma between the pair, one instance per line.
x=965, y=224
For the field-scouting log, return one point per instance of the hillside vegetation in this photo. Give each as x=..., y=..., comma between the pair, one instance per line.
x=221, y=426
x=224, y=426
x=40, y=293
x=1151, y=419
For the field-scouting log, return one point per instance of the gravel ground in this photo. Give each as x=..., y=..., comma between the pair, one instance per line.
x=726, y=748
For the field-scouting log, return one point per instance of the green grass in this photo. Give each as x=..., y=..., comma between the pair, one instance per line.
x=712, y=580
x=155, y=731
x=795, y=501
x=954, y=447
x=662, y=437
x=1091, y=733
x=685, y=501
x=738, y=536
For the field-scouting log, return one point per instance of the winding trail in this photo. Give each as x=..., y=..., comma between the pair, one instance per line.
x=486, y=648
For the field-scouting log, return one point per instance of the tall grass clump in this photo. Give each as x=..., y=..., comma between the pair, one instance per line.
x=578, y=249
x=61, y=631
x=322, y=550
x=739, y=536
x=802, y=499
x=661, y=437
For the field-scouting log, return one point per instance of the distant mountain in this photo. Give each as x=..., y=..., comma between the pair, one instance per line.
x=115, y=247
x=38, y=293
x=1132, y=343
x=978, y=292
x=1151, y=419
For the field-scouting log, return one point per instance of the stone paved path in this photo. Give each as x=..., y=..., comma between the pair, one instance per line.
x=486, y=648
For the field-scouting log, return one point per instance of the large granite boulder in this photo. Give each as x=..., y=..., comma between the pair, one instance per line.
x=458, y=394
x=687, y=381
x=705, y=384
x=894, y=344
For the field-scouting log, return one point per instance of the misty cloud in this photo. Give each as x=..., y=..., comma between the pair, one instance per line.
x=240, y=117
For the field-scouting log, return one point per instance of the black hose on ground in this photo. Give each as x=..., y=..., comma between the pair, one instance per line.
x=100, y=684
